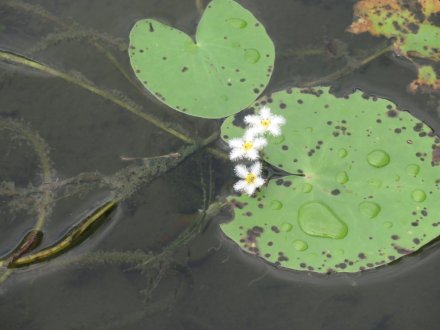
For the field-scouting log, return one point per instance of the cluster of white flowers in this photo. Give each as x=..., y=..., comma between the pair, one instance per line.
x=249, y=146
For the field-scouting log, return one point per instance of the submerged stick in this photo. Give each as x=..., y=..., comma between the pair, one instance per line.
x=123, y=183
x=74, y=237
x=29, y=242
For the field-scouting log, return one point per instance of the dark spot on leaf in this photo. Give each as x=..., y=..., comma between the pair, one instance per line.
x=392, y=113
x=287, y=183
x=435, y=156
x=335, y=192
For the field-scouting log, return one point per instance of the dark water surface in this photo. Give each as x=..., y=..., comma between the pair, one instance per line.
x=214, y=285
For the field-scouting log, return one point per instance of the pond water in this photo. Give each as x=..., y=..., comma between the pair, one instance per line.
x=208, y=282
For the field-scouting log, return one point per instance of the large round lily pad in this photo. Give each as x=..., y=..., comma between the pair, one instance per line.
x=220, y=73
x=369, y=191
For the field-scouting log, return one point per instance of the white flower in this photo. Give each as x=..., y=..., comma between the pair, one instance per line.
x=246, y=147
x=264, y=122
x=251, y=178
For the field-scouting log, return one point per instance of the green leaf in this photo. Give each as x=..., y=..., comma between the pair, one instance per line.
x=220, y=73
x=370, y=190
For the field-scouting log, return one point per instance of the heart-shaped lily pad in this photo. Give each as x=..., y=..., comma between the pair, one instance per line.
x=369, y=191
x=220, y=73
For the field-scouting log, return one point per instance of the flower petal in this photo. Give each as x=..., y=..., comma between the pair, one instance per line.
x=278, y=120
x=240, y=185
x=252, y=154
x=249, y=135
x=256, y=169
x=252, y=119
x=235, y=143
x=265, y=112
x=259, y=143
x=256, y=130
x=249, y=189
x=241, y=171
x=259, y=182
x=275, y=130
x=236, y=154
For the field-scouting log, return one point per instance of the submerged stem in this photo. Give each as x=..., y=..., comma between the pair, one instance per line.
x=17, y=59
x=199, y=7
x=41, y=149
x=74, y=79
x=348, y=68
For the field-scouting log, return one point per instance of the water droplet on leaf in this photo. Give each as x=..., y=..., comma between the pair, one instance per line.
x=237, y=23
x=342, y=153
x=252, y=55
x=342, y=178
x=306, y=188
x=276, y=205
x=299, y=245
x=286, y=227
x=369, y=209
x=378, y=158
x=418, y=195
x=412, y=170
x=317, y=219
x=277, y=139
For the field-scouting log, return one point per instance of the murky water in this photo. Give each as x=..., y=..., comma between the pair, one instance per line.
x=210, y=283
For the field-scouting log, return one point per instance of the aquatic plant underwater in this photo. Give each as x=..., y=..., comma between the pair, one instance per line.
x=356, y=179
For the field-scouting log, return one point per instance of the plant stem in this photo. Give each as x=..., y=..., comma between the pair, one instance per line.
x=91, y=88
x=37, y=10
x=199, y=7
x=348, y=68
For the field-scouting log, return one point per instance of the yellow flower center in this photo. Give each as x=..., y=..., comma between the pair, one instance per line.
x=250, y=178
x=248, y=145
x=265, y=123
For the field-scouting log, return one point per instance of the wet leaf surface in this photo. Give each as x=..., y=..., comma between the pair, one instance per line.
x=369, y=188
x=220, y=73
